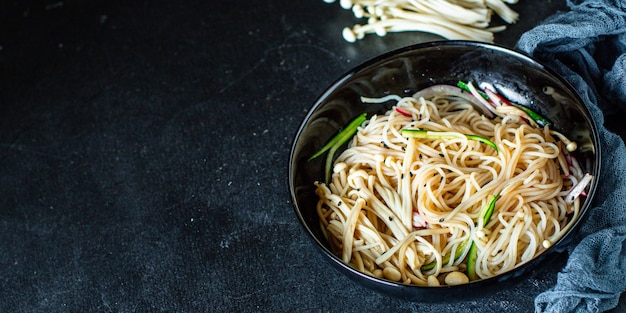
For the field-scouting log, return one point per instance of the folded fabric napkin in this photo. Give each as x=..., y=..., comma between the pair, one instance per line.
x=587, y=46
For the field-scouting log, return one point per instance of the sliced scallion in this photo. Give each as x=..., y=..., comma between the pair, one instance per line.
x=473, y=251
x=429, y=134
x=337, y=141
x=465, y=87
x=446, y=258
x=541, y=121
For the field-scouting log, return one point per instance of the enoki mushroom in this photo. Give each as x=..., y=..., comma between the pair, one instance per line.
x=451, y=19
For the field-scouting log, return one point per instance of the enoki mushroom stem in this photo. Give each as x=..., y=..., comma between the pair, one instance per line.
x=450, y=19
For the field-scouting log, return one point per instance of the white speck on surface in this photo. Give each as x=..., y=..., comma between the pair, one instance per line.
x=55, y=5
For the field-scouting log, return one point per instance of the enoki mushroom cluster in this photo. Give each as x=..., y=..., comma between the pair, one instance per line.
x=451, y=19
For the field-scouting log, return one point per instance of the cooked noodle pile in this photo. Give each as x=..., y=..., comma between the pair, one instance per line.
x=408, y=209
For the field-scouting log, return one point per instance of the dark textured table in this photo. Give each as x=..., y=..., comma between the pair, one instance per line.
x=144, y=149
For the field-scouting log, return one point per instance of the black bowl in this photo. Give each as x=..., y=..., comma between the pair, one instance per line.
x=404, y=71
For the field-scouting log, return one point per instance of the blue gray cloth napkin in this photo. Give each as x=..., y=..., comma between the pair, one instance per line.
x=587, y=46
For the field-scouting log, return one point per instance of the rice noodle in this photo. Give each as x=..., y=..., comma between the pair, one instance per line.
x=383, y=180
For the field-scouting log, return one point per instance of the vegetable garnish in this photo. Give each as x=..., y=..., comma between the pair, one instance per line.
x=497, y=100
x=446, y=258
x=435, y=90
x=472, y=255
x=489, y=211
x=473, y=251
x=579, y=188
x=333, y=141
x=536, y=117
x=429, y=134
x=403, y=112
x=337, y=141
x=466, y=87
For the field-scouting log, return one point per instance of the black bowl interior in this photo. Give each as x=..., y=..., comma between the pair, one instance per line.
x=405, y=71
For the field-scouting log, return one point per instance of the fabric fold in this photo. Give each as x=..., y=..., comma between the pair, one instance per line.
x=587, y=46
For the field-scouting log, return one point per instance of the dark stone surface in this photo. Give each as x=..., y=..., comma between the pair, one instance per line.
x=143, y=156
